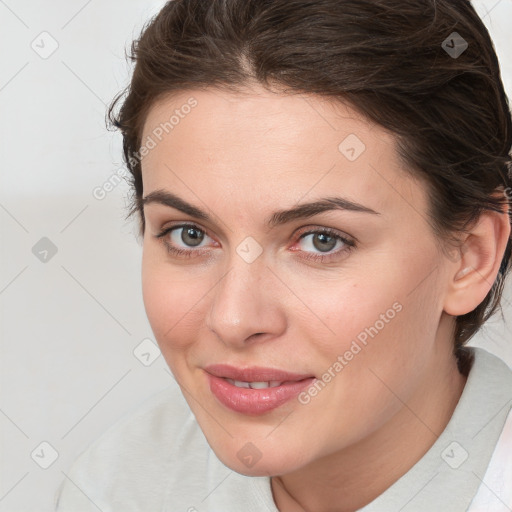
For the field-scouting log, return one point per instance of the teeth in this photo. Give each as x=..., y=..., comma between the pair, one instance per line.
x=241, y=384
x=255, y=385
x=259, y=385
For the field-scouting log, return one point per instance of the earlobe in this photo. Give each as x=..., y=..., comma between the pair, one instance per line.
x=480, y=258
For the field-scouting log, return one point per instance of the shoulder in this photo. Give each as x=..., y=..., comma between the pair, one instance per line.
x=495, y=492
x=129, y=462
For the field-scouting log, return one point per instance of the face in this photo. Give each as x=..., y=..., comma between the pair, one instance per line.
x=335, y=294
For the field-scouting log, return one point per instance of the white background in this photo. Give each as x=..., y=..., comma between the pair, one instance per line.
x=69, y=326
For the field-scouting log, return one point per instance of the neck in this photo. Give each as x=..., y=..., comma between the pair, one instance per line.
x=357, y=475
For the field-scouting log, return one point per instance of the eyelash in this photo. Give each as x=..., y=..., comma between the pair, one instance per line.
x=189, y=253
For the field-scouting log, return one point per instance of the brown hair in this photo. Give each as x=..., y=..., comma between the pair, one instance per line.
x=393, y=60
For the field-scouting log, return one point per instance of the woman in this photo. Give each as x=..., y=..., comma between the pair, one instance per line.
x=323, y=189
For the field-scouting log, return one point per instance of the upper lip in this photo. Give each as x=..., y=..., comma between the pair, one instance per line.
x=253, y=373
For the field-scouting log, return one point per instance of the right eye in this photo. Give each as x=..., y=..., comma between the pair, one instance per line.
x=188, y=234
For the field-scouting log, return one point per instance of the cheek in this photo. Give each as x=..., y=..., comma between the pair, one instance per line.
x=169, y=298
x=390, y=338
x=382, y=317
x=351, y=310
x=381, y=342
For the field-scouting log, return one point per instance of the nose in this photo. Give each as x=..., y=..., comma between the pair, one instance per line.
x=245, y=305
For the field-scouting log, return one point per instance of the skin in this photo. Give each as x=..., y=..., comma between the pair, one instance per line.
x=240, y=157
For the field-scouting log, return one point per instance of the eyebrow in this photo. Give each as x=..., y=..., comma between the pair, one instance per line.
x=302, y=211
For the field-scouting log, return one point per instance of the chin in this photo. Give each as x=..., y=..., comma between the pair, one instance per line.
x=249, y=460
x=268, y=468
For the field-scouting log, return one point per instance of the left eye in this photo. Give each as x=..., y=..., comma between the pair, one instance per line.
x=321, y=241
x=325, y=240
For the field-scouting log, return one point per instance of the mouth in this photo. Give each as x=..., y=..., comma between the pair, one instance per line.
x=254, y=390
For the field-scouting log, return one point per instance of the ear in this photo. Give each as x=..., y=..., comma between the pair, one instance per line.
x=479, y=260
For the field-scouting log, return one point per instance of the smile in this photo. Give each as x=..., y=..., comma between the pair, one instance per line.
x=254, y=390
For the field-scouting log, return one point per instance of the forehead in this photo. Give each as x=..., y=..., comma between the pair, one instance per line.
x=279, y=147
x=255, y=112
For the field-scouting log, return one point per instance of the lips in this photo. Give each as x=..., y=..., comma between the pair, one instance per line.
x=254, y=374
x=254, y=390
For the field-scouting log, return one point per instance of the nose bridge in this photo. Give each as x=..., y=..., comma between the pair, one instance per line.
x=241, y=302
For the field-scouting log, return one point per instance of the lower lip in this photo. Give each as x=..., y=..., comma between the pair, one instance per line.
x=254, y=401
